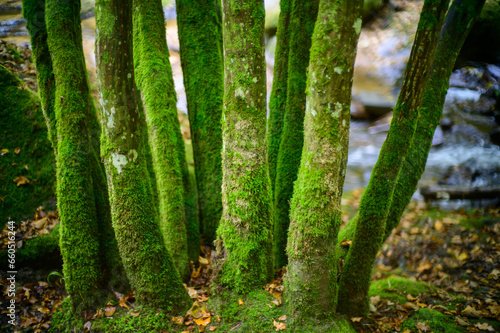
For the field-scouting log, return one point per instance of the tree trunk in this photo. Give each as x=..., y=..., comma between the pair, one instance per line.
x=459, y=20
x=76, y=203
x=303, y=17
x=315, y=211
x=200, y=37
x=245, y=238
x=375, y=202
x=34, y=13
x=154, y=79
x=148, y=264
x=277, y=101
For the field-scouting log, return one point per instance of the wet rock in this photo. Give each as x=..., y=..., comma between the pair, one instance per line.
x=494, y=71
x=484, y=106
x=438, y=138
x=495, y=136
x=358, y=111
x=446, y=123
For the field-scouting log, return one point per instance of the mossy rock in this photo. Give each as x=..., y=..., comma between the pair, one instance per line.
x=483, y=42
x=437, y=322
x=39, y=252
x=396, y=288
x=33, y=164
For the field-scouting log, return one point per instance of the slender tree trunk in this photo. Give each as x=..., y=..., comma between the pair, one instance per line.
x=148, y=264
x=377, y=198
x=277, y=101
x=245, y=238
x=154, y=79
x=315, y=211
x=303, y=17
x=34, y=13
x=200, y=37
x=76, y=203
x=459, y=20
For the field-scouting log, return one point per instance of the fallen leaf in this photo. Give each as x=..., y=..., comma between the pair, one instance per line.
x=195, y=310
x=282, y=318
x=109, y=310
x=21, y=180
x=470, y=312
x=17, y=150
x=422, y=327
x=135, y=313
x=346, y=243
x=484, y=327
x=88, y=325
x=375, y=300
x=276, y=302
x=424, y=267
x=461, y=321
x=356, y=319
x=203, y=261
x=43, y=309
x=3, y=151
x=240, y=302
x=213, y=328
x=202, y=321
x=279, y=326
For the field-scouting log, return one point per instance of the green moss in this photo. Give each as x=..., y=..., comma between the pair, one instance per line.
x=395, y=289
x=24, y=128
x=437, y=321
x=303, y=17
x=200, y=37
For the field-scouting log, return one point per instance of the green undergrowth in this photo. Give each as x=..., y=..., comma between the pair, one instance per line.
x=437, y=322
x=39, y=252
x=396, y=288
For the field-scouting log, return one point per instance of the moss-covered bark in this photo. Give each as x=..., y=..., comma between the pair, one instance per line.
x=76, y=203
x=154, y=79
x=245, y=238
x=200, y=37
x=34, y=13
x=459, y=20
x=277, y=100
x=315, y=211
x=303, y=17
x=375, y=203
x=148, y=264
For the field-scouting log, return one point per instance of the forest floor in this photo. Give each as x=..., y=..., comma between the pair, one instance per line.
x=438, y=272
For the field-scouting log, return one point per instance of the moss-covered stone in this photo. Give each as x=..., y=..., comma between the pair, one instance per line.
x=154, y=78
x=200, y=38
x=376, y=200
x=396, y=288
x=245, y=236
x=23, y=127
x=315, y=215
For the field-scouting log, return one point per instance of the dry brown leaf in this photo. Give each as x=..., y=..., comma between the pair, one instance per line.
x=212, y=328
x=135, y=313
x=276, y=302
x=3, y=151
x=202, y=321
x=346, y=243
x=17, y=150
x=282, y=318
x=88, y=325
x=422, y=327
x=279, y=326
x=484, y=327
x=461, y=321
x=203, y=261
x=375, y=300
x=43, y=309
x=471, y=312
x=424, y=267
x=109, y=310
x=356, y=319
x=240, y=302
x=21, y=180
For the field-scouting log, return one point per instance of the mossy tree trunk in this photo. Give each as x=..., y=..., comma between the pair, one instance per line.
x=72, y=107
x=376, y=200
x=200, y=37
x=155, y=81
x=245, y=238
x=315, y=211
x=277, y=100
x=34, y=13
x=459, y=20
x=147, y=262
x=303, y=17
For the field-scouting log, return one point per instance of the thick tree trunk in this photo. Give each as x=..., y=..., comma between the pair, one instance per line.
x=277, y=101
x=148, y=264
x=245, y=238
x=459, y=20
x=375, y=203
x=200, y=37
x=72, y=107
x=303, y=17
x=315, y=212
x=34, y=13
x=154, y=79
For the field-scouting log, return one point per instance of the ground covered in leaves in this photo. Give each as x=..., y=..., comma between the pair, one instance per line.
x=438, y=272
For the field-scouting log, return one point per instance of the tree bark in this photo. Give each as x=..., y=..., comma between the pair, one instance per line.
x=147, y=262
x=72, y=107
x=277, y=100
x=200, y=37
x=315, y=210
x=154, y=79
x=245, y=238
x=376, y=200
x=303, y=17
